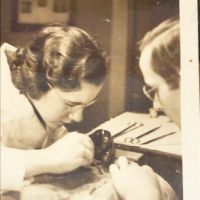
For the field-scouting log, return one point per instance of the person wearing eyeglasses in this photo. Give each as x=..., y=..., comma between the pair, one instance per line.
x=160, y=66
x=45, y=85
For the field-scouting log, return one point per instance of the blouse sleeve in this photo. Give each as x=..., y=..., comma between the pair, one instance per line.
x=12, y=160
x=12, y=169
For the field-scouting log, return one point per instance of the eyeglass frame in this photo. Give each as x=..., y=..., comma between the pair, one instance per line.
x=153, y=89
x=148, y=91
x=72, y=108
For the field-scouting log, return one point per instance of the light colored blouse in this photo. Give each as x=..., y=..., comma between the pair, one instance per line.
x=16, y=111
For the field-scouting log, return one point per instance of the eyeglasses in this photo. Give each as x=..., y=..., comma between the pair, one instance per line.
x=73, y=108
x=70, y=105
x=149, y=92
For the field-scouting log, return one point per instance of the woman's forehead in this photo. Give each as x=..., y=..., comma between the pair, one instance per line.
x=150, y=76
x=85, y=94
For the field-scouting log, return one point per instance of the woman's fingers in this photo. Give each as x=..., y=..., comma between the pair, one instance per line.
x=83, y=140
x=114, y=170
x=147, y=169
x=122, y=165
x=122, y=162
x=88, y=157
x=87, y=142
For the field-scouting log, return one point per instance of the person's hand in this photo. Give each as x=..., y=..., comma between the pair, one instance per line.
x=70, y=152
x=134, y=182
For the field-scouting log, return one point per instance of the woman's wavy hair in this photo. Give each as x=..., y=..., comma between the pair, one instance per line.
x=164, y=43
x=60, y=55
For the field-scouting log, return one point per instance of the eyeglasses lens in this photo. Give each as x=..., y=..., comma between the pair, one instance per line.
x=149, y=92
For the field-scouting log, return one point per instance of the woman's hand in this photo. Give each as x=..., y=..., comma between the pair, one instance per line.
x=134, y=182
x=68, y=153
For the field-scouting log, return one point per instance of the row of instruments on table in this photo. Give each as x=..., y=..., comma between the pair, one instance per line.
x=132, y=129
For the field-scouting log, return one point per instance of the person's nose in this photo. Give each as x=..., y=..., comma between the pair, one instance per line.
x=76, y=115
x=156, y=103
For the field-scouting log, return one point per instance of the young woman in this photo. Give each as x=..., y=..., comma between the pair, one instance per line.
x=45, y=85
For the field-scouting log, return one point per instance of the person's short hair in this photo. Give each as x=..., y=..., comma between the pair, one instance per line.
x=164, y=43
x=60, y=55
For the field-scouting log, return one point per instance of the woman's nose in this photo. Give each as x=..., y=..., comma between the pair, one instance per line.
x=156, y=103
x=76, y=115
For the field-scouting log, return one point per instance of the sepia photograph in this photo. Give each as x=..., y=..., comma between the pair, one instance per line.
x=99, y=100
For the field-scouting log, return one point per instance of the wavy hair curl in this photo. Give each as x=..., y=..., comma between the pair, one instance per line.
x=60, y=55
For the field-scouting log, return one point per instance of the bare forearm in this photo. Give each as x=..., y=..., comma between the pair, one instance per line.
x=57, y=159
x=36, y=162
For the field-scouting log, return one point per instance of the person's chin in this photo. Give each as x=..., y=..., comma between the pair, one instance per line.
x=175, y=117
x=55, y=125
